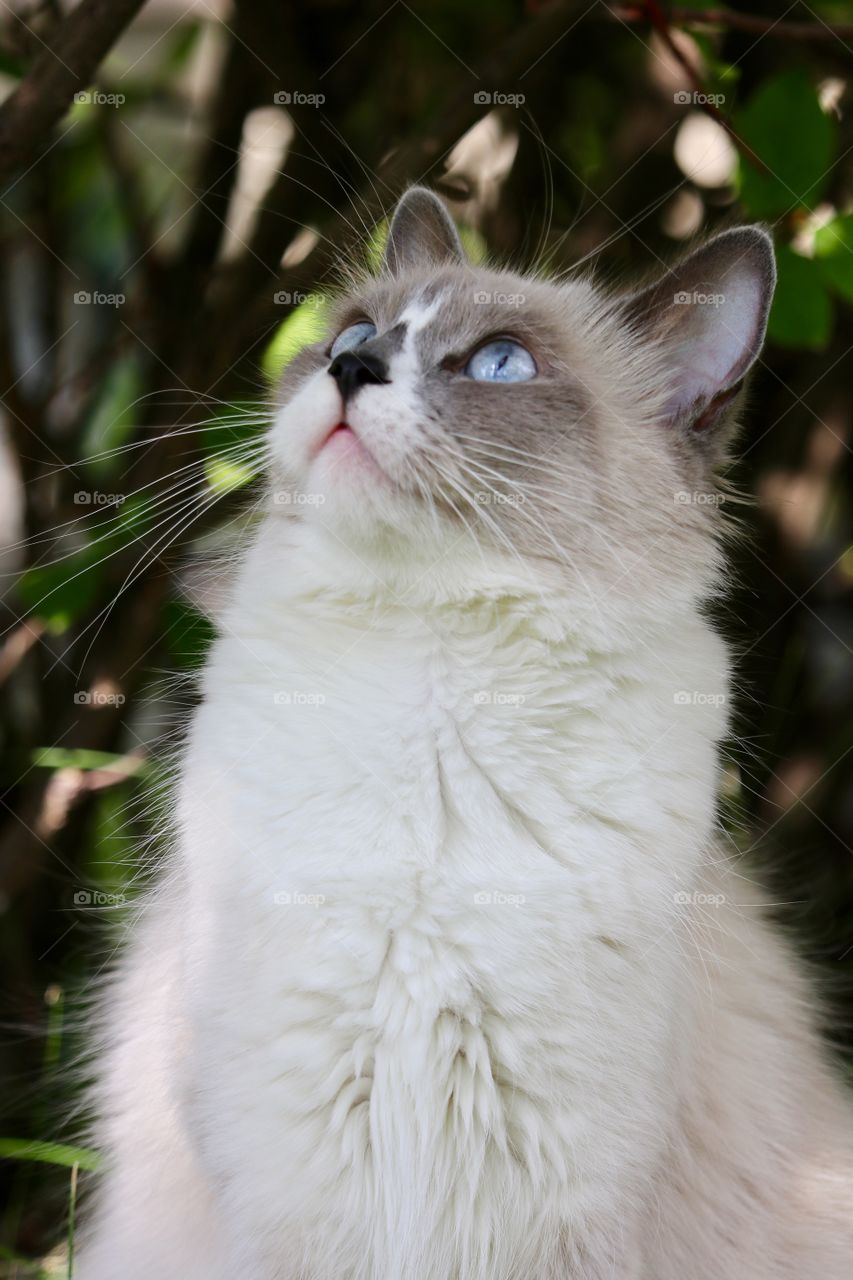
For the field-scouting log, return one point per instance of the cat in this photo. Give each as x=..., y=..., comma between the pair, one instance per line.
x=451, y=974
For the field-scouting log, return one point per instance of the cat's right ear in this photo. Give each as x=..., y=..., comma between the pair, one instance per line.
x=422, y=233
x=707, y=318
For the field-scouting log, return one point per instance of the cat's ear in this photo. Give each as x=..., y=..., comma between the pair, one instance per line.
x=422, y=233
x=707, y=318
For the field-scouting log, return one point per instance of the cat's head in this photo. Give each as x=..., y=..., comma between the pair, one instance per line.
x=551, y=422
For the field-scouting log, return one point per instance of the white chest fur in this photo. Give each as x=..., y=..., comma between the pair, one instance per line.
x=432, y=857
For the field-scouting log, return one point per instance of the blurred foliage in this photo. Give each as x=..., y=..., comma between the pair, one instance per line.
x=167, y=253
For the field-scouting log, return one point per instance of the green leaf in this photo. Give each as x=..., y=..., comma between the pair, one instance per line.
x=64, y=758
x=190, y=634
x=801, y=315
x=65, y=589
x=62, y=592
x=223, y=474
x=833, y=248
x=113, y=417
x=788, y=130
x=48, y=1153
x=303, y=326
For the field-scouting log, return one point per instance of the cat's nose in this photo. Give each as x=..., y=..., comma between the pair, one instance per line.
x=351, y=371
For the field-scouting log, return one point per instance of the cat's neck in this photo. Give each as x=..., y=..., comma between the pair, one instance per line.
x=313, y=570
x=619, y=719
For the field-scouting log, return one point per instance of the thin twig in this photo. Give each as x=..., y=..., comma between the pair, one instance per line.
x=659, y=22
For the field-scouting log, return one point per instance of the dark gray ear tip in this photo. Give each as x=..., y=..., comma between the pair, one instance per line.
x=422, y=232
x=414, y=196
x=421, y=206
x=753, y=243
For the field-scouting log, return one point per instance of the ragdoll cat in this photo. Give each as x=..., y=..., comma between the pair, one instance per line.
x=451, y=976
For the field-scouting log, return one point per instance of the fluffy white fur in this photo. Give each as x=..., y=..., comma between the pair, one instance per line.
x=450, y=978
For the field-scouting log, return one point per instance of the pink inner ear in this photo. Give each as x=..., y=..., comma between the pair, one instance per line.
x=717, y=341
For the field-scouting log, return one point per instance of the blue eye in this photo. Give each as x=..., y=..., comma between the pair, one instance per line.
x=501, y=361
x=353, y=336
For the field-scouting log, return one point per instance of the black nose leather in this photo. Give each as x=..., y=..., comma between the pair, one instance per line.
x=351, y=371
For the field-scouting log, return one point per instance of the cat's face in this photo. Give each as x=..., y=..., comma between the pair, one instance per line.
x=449, y=403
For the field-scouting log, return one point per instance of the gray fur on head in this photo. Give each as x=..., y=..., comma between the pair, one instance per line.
x=603, y=462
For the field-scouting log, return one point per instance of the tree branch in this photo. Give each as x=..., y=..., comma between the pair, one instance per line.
x=66, y=65
x=750, y=23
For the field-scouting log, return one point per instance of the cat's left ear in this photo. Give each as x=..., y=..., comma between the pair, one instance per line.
x=707, y=317
x=422, y=233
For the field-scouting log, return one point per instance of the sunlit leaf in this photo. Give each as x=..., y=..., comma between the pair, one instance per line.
x=223, y=474
x=62, y=758
x=795, y=139
x=48, y=1153
x=304, y=325
x=834, y=253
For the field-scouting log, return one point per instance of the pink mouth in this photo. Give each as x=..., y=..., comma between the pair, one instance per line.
x=340, y=429
x=344, y=442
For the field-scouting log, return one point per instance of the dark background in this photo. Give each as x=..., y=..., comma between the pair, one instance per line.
x=166, y=244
